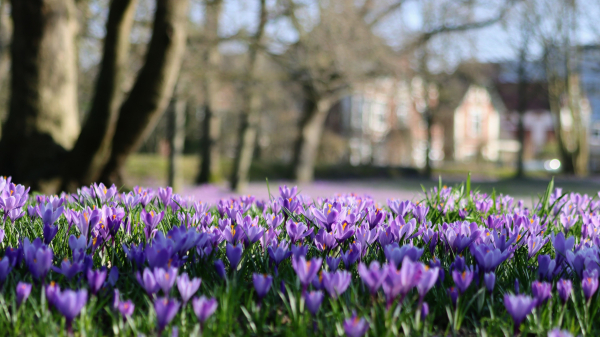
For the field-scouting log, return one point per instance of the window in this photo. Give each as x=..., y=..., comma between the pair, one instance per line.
x=476, y=122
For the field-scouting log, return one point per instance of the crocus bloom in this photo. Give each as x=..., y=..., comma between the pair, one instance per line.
x=306, y=270
x=453, y=293
x=564, y=288
x=165, y=278
x=49, y=232
x=336, y=283
x=333, y=262
x=355, y=327
x=518, y=306
x=166, y=309
x=589, y=286
x=69, y=303
x=262, y=284
x=424, y=310
x=234, y=255
x=5, y=268
x=204, y=308
x=297, y=231
x=147, y=281
x=372, y=277
x=39, y=261
x=96, y=279
x=187, y=288
x=396, y=254
x=23, y=291
x=220, y=269
x=313, y=301
x=126, y=308
x=427, y=280
x=51, y=290
x=557, y=332
x=490, y=280
x=462, y=280
x=541, y=291
x=352, y=255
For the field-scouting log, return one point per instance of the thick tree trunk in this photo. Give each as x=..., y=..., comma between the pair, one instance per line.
x=43, y=122
x=250, y=113
x=87, y=159
x=176, y=127
x=309, y=138
x=211, y=125
x=153, y=87
x=209, y=150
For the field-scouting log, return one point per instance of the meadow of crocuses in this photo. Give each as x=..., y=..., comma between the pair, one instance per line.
x=104, y=262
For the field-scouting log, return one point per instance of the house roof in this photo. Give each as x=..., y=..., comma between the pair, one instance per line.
x=536, y=97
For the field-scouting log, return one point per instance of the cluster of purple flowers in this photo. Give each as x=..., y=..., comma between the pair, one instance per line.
x=393, y=249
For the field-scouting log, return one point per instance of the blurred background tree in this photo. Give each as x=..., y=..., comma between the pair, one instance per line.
x=277, y=88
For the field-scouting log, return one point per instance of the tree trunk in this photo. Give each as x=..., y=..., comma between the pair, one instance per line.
x=176, y=127
x=429, y=121
x=85, y=162
x=309, y=137
x=211, y=125
x=43, y=122
x=153, y=87
x=250, y=113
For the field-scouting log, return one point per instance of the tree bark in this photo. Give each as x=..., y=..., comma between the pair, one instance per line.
x=177, y=110
x=85, y=162
x=43, y=122
x=521, y=108
x=309, y=137
x=153, y=87
x=250, y=113
x=211, y=125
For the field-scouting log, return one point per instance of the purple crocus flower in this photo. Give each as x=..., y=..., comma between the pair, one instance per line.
x=96, y=279
x=313, y=301
x=400, y=282
x=372, y=277
x=23, y=291
x=351, y=255
x=297, y=231
x=262, y=284
x=187, y=288
x=564, y=288
x=589, y=285
x=562, y=245
x=148, y=282
x=306, y=270
x=299, y=250
x=332, y=262
x=69, y=303
x=220, y=269
x=394, y=253
x=126, y=308
x=424, y=310
x=490, y=280
x=336, y=283
x=234, y=255
x=204, y=308
x=151, y=220
x=557, y=332
x=518, y=306
x=488, y=257
x=5, y=268
x=462, y=280
x=541, y=291
x=279, y=252
x=165, y=278
x=355, y=327
x=51, y=290
x=453, y=294
x=38, y=260
x=166, y=309
x=428, y=278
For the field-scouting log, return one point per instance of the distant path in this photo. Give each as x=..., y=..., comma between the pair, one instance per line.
x=380, y=191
